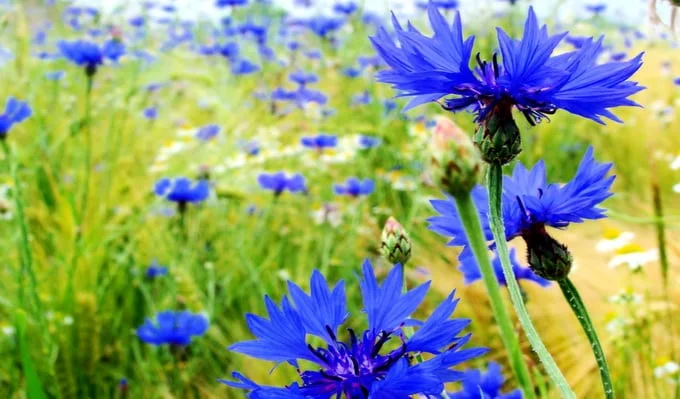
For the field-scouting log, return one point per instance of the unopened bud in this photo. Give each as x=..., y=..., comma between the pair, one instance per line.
x=498, y=137
x=546, y=256
x=396, y=244
x=456, y=163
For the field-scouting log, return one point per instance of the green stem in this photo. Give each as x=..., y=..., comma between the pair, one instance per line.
x=574, y=299
x=495, y=183
x=26, y=255
x=470, y=218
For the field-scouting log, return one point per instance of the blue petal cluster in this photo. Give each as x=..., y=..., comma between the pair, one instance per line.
x=480, y=385
x=355, y=187
x=182, y=190
x=207, y=132
x=15, y=112
x=528, y=76
x=280, y=182
x=320, y=142
x=173, y=328
x=529, y=201
x=155, y=270
x=90, y=55
x=377, y=363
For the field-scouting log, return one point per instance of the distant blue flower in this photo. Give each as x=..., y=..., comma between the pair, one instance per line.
x=347, y=8
x=251, y=148
x=228, y=50
x=244, y=67
x=320, y=142
x=530, y=203
x=620, y=56
x=323, y=26
x=113, y=49
x=351, y=72
x=354, y=187
x=529, y=78
x=89, y=54
x=230, y=3
x=471, y=273
x=182, y=190
x=150, y=113
x=302, y=78
x=280, y=182
x=676, y=81
x=313, y=54
x=598, y=8
x=16, y=111
x=362, y=98
x=155, y=270
x=56, y=75
x=443, y=4
x=369, y=141
x=377, y=363
x=173, y=328
x=478, y=385
x=576, y=41
x=207, y=132
x=137, y=21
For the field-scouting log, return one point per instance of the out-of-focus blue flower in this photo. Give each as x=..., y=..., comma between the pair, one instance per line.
x=55, y=75
x=173, y=328
x=137, y=21
x=320, y=142
x=576, y=41
x=251, y=148
x=354, y=187
x=375, y=364
x=230, y=3
x=313, y=54
x=150, y=113
x=620, y=56
x=207, y=132
x=369, y=141
x=323, y=26
x=182, y=190
x=89, y=54
x=302, y=78
x=596, y=9
x=528, y=78
x=155, y=270
x=362, y=98
x=351, y=72
x=280, y=182
x=530, y=202
x=471, y=273
x=443, y=4
x=244, y=67
x=390, y=106
x=347, y=8
x=16, y=111
x=479, y=385
x=113, y=49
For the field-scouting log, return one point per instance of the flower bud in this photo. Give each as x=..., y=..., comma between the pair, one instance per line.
x=456, y=163
x=546, y=256
x=498, y=137
x=396, y=244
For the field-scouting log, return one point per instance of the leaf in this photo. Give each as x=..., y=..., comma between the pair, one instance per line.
x=33, y=385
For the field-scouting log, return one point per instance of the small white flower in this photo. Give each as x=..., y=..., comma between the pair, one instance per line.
x=668, y=368
x=612, y=244
x=676, y=188
x=68, y=320
x=634, y=260
x=8, y=330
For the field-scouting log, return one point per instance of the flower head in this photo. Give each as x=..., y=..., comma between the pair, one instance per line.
x=16, y=111
x=207, y=132
x=280, y=182
x=182, y=190
x=355, y=187
x=480, y=385
x=377, y=363
x=320, y=142
x=90, y=55
x=173, y=328
x=528, y=76
x=155, y=270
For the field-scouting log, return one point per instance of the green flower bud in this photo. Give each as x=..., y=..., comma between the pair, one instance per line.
x=396, y=244
x=546, y=256
x=498, y=137
x=456, y=163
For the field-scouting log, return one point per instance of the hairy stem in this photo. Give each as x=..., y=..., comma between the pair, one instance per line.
x=495, y=186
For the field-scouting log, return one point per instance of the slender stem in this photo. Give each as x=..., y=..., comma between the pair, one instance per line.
x=473, y=229
x=574, y=299
x=88, y=149
x=495, y=183
x=26, y=255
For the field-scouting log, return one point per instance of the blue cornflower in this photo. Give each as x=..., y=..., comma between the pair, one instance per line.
x=55, y=75
x=150, y=113
x=345, y=8
x=323, y=26
x=244, y=67
x=16, y=111
x=366, y=142
x=528, y=78
x=89, y=54
x=320, y=142
x=155, y=270
x=182, y=190
x=280, y=182
x=351, y=72
x=354, y=187
x=443, y=4
x=530, y=203
x=362, y=98
x=173, y=328
x=471, y=273
x=207, y=132
x=377, y=363
x=479, y=385
x=596, y=9
x=230, y=3
x=302, y=78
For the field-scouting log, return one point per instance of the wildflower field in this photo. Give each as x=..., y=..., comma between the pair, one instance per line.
x=337, y=203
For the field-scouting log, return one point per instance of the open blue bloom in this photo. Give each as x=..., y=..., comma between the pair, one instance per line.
x=366, y=142
x=302, y=78
x=596, y=9
x=529, y=77
x=155, y=270
x=320, y=142
x=150, y=113
x=530, y=203
x=377, y=363
x=345, y=8
x=280, y=182
x=89, y=54
x=173, y=328
x=323, y=26
x=244, y=67
x=471, y=273
x=207, y=132
x=15, y=112
x=479, y=385
x=355, y=187
x=182, y=190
